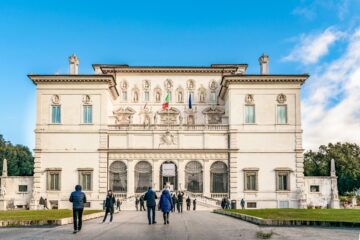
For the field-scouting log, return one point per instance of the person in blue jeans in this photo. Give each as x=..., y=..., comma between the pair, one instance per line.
x=78, y=199
x=150, y=197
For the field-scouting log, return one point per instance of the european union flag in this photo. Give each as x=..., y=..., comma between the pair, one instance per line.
x=190, y=104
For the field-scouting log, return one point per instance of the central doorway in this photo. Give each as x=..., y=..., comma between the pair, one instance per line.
x=168, y=175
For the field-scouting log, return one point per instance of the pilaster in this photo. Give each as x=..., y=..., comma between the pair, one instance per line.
x=206, y=180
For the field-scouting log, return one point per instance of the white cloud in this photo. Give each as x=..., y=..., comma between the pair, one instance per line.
x=312, y=47
x=324, y=121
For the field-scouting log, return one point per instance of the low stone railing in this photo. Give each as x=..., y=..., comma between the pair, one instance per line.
x=210, y=127
x=219, y=195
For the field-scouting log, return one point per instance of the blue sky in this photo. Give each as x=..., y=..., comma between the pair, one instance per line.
x=315, y=37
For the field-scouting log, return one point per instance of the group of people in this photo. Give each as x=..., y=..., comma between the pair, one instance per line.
x=225, y=203
x=167, y=203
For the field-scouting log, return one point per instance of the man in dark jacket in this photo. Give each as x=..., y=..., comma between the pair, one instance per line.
x=137, y=201
x=174, y=201
x=109, y=205
x=78, y=199
x=142, y=203
x=180, y=202
x=150, y=197
x=194, y=204
x=188, y=203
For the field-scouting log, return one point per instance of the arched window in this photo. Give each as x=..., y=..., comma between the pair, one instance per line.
x=218, y=178
x=118, y=177
x=194, y=177
x=143, y=176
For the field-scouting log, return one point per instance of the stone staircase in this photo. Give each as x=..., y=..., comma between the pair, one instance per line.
x=203, y=203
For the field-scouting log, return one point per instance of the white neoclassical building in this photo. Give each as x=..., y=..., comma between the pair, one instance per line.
x=212, y=131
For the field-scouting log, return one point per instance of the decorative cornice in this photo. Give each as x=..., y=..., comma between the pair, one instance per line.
x=214, y=68
x=254, y=79
x=72, y=78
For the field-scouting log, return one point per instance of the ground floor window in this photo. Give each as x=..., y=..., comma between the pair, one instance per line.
x=23, y=188
x=251, y=205
x=85, y=180
x=53, y=180
x=219, y=178
x=194, y=177
x=143, y=176
x=251, y=180
x=283, y=183
x=118, y=177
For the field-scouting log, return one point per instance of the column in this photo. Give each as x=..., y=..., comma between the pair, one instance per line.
x=206, y=177
x=130, y=178
x=156, y=176
x=103, y=164
x=181, y=175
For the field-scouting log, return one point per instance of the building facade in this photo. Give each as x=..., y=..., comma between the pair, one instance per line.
x=212, y=131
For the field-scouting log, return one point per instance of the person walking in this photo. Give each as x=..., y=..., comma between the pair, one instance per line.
x=174, y=201
x=194, y=204
x=118, y=204
x=142, y=203
x=137, y=201
x=180, y=202
x=165, y=204
x=188, y=203
x=109, y=205
x=150, y=197
x=223, y=203
x=242, y=203
x=78, y=199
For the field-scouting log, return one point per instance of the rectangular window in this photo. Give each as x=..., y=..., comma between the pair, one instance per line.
x=314, y=188
x=23, y=188
x=283, y=204
x=53, y=181
x=249, y=113
x=56, y=114
x=86, y=180
x=88, y=114
x=146, y=96
x=251, y=181
x=251, y=205
x=283, y=181
x=124, y=95
x=281, y=114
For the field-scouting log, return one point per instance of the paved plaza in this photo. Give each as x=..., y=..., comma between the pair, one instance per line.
x=189, y=225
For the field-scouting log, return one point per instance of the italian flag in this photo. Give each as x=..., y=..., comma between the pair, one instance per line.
x=165, y=105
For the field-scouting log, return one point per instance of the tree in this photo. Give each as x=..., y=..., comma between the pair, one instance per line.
x=20, y=159
x=347, y=164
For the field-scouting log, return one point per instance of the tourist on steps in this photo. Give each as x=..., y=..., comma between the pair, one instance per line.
x=165, y=204
x=109, y=205
x=150, y=197
x=78, y=199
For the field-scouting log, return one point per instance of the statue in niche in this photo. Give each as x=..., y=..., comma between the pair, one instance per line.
x=124, y=85
x=190, y=120
x=157, y=96
x=180, y=96
x=136, y=97
x=202, y=96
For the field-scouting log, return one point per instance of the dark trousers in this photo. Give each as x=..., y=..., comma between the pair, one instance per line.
x=77, y=218
x=188, y=207
x=142, y=207
x=180, y=207
x=194, y=207
x=166, y=217
x=173, y=208
x=149, y=210
x=108, y=210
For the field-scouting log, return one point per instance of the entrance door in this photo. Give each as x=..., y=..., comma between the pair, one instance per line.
x=168, y=175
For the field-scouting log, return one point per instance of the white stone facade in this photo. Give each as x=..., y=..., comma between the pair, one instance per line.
x=262, y=156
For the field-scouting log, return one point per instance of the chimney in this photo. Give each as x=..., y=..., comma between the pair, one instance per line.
x=264, y=64
x=74, y=64
x=4, y=170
